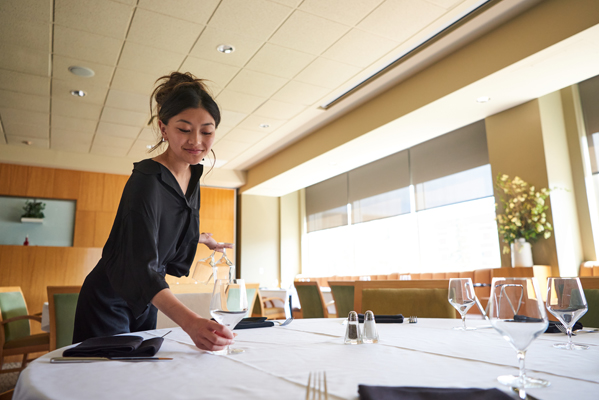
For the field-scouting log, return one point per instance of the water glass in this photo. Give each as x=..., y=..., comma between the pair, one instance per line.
x=566, y=301
x=461, y=296
x=228, y=306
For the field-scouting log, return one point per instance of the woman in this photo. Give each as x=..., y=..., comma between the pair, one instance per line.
x=156, y=229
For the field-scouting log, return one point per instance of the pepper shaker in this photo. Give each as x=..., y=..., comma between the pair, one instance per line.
x=352, y=333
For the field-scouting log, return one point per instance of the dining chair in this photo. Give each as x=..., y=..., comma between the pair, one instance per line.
x=590, y=285
x=424, y=298
x=343, y=295
x=269, y=307
x=311, y=300
x=62, y=303
x=252, y=290
x=15, y=330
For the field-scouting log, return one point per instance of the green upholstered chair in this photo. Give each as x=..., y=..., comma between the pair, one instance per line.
x=591, y=317
x=424, y=303
x=343, y=294
x=311, y=300
x=62, y=303
x=15, y=331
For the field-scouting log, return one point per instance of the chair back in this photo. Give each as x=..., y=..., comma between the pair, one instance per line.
x=513, y=272
x=12, y=304
x=425, y=303
x=62, y=303
x=252, y=290
x=311, y=301
x=343, y=294
x=590, y=285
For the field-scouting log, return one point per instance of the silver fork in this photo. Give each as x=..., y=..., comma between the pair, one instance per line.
x=317, y=386
x=412, y=319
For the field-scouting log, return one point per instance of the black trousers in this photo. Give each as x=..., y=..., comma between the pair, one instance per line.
x=102, y=312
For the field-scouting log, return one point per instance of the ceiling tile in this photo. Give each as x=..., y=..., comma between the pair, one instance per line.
x=359, y=48
x=128, y=2
x=34, y=35
x=103, y=17
x=94, y=94
x=230, y=146
x=211, y=38
x=279, y=110
x=35, y=142
x=256, y=83
x=26, y=10
x=112, y=141
x=26, y=131
x=230, y=118
x=149, y=60
x=245, y=135
x=125, y=117
x=308, y=33
x=86, y=46
x=348, y=12
x=222, y=131
x=75, y=137
x=76, y=109
x=132, y=81
x=108, y=150
x=191, y=10
x=60, y=70
x=24, y=101
x=241, y=16
x=447, y=4
x=279, y=61
x=411, y=17
x=139, y=149
x=300, y=93
x=289, y=3
x=117, y=130
x=73, y=124
x=149, y=134
x=217, y=73
x=327, y=73
x=128, y=101
x=24, y=83
x=239, y=102
x=25, y=60
x=254, y=122
x=16, y=116
x=67, y=145
x=163, y=32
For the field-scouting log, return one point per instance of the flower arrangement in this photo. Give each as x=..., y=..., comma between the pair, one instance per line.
x=523, y=211
x=33, y=209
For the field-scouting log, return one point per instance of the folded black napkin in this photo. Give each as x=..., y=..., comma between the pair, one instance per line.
x=115, y=346
x=384, y=319
x=552, y=328
x=254, y=322
x=423, y=393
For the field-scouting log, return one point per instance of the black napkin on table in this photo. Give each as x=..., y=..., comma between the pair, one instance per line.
x=116, y=346
x=552, y=328
x=384, y=319
x=254, y=322
x=422, y=393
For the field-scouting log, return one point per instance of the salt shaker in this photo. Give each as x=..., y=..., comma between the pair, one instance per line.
x=352, y=333
x=371, y=334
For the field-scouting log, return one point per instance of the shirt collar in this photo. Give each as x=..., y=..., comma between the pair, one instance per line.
x=151, y=167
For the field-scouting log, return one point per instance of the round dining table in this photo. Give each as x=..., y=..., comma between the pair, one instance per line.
x=277, y=361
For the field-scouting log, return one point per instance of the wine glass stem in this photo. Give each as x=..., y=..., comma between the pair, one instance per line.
x=464, y=320
x=569, y=331
x=521, y=355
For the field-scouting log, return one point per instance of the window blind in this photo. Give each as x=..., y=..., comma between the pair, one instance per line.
x=326, y=203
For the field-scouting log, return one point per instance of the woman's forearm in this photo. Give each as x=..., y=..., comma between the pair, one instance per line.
x=173, y=308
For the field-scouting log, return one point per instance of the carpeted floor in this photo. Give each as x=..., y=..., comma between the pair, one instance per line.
x=9, y=381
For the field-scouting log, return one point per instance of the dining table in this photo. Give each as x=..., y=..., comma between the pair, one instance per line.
x=276, y=362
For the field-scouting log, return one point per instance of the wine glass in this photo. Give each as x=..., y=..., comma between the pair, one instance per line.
x=461, y=296
x=517, y=312
x=228, y=306
x=224, y=268
x=566, y=301
x=204, y=270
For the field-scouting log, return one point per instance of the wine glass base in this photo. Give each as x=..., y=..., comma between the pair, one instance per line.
x=461, y=328
x=236, y=351
x=228, y=351
x=525, y=382
x=570, y=346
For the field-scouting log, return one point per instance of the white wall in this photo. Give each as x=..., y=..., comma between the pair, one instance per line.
x=290, y=238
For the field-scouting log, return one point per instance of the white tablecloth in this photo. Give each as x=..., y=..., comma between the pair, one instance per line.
x=276, y=363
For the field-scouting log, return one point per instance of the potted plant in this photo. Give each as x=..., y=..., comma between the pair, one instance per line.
x=524, y=218
x=33, y=211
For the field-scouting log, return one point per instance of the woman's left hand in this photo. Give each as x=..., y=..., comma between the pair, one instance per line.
x=212, y=244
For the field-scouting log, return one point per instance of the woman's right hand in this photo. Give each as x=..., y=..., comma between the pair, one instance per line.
x=209, y=335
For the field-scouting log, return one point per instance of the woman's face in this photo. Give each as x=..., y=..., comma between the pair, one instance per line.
x=190, y=134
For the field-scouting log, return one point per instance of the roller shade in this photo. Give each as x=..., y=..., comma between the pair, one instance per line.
x=326, y=204
x=380, y=189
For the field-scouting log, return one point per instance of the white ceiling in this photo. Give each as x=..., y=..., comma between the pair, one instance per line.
x=290, y=57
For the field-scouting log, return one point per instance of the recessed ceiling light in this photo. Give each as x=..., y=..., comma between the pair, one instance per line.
x=264, y=126
x=78, y=93
x=81, y=71
x=225, y=48
x=149, y=146
x=483, y=99
x=27, y=142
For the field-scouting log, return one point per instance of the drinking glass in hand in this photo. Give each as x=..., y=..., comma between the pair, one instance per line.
x=461, y=296
x=517, y=312
x=566, y=301
x=228, y=306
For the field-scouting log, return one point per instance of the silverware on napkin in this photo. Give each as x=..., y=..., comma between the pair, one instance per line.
x=59, y=360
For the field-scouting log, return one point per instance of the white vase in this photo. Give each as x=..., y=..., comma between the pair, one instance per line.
x=521, y=253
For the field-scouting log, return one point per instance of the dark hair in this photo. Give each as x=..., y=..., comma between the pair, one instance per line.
x=178, y=92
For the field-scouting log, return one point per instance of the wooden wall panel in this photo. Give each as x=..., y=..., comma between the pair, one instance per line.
x=40, y=182
x=66, y=184
x=5, y=179
x=103, y=225
x=18, y=180
x=91, y=192
x=85, y=229
x=113, y=189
